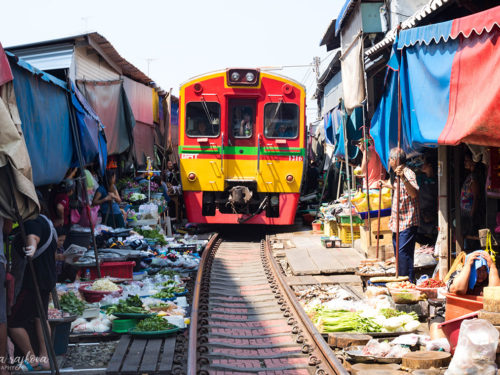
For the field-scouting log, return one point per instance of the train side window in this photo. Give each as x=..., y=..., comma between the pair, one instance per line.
x=281, y=120
x=242, y=121
x=202, y=119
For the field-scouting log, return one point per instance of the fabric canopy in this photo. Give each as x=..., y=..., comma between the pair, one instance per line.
x=45, y=120
x=111, y=104
x=449, y=86
x=45, y=110
x=90, y=129
x=15, y=165
x=353, y=125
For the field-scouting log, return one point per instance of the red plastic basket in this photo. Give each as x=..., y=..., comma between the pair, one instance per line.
x=451, y=329
x=95, y=295
x=457, y=306
x=122, y=270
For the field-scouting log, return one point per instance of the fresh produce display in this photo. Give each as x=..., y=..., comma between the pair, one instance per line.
x=165, y=293
x=154, y=323
x=405, y=296
x=57, y=314
x=383, y=320
x=344, y=321
x=152, y=234
x=401, y=285
x=131, y=305
x=104, y=285
x=136, y=197
x=431, y=283
x=71, y=304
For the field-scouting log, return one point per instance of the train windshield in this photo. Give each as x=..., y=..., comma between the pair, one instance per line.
x=242, y=118
x=281, y=120
x=203, y=119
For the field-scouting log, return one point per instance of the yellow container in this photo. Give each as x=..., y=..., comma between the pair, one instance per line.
x=330, y=228
x=361, y=203
x=345, y=232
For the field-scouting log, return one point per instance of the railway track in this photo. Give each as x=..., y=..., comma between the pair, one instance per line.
x=245, y=319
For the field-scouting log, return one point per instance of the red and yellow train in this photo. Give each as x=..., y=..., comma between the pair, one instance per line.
x=242, y=147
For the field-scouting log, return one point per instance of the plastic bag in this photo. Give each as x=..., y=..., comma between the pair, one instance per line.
x=148, y=211
x=423, y=259
x=476, y=349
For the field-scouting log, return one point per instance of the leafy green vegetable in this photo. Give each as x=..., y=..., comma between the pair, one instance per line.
x=152, y=234
x=131, y=305
x=154, y=323
x=390, y=313
x=71, y=304
x=170, y=273
x=344, y=321
x=165, y=293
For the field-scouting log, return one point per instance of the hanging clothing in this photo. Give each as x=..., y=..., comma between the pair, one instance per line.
x=376, y=170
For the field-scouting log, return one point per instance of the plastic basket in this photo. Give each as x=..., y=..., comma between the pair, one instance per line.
x=123, y=325
x=122, y=270
x=330, y=228
x=345, y=232
x=346, y=219
x=457, y=306
x=95, y=295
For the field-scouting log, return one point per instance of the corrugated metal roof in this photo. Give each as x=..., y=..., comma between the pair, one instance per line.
x=329, y=38
x=48, y=57
x=418, y=17
x=104, y=45
x=344, y=12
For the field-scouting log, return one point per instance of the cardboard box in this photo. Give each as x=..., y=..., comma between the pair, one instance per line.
x=384, y=252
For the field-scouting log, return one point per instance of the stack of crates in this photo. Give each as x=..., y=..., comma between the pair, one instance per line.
x=330, y=228
x=344, y=227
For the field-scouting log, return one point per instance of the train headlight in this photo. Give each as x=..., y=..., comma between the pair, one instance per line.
x=289, y=179
x=250, y=77
x=275, y=200
x=191, y=176
x=235, y=76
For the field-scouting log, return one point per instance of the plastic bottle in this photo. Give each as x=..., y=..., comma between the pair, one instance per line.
x=87, y=274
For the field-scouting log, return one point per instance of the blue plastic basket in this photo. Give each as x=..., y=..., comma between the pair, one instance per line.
x=374, y=214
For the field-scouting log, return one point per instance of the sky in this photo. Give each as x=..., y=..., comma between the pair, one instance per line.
x=172, y=41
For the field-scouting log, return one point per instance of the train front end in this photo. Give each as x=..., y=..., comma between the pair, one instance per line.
x=242, y=147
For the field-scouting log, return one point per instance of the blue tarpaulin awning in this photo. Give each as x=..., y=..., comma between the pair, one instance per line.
x=448, y=78
x=44, y=109
x=348, y=5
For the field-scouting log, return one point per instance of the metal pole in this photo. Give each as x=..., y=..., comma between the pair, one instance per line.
x=398, y=179
x=76, y=140
x=348, y=177
x=365, y=157
x=54, y=368
x=378, y=223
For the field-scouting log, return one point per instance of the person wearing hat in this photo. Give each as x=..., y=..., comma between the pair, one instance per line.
x=376, y=170
x=478, y=272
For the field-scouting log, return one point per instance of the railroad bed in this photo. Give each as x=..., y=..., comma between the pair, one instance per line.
x=246, y=320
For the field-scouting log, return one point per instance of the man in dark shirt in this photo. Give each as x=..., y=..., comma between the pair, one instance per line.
x=41, y=246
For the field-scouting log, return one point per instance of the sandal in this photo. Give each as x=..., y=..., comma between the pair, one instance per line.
x=28, y=367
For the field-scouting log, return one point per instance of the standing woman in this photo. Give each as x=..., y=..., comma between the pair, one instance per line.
x=108, y=198
x=470, y=204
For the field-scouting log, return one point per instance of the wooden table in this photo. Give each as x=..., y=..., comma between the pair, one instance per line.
x=142, y=356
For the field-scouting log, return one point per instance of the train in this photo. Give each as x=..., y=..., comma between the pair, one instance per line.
x=242, y=147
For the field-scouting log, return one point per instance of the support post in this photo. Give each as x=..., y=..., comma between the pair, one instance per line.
x=443, y=210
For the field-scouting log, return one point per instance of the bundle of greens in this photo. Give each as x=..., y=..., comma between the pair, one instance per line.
x=152, y=234
x=131, y=305
x=165, y=293
x=344, y=321
x=154, y=323
x=71, y=304
x=391, y=313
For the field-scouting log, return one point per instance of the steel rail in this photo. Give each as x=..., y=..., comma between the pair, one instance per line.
x=193, y=327
x=327, y=361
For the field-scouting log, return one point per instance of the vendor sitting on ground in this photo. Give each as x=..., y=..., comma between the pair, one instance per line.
x=479, y=271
